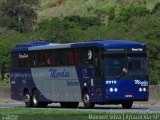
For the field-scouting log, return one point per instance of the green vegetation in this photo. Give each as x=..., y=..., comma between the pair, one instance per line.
x=5, y=83
x=66, y=21
x=20, y=16
x=50, y=114
x=51, y=8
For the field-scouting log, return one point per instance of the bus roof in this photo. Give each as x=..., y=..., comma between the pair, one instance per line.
x=98, y=43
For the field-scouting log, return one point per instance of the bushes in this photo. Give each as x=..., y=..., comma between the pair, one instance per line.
x=8, y=41
x=69, y=29
x=156, y=8
x=131, y=11
x=84, y=22
x=21, y=12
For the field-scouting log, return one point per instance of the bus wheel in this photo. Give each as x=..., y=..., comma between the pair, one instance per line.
x=34, y=99
x=69, y=104
x=86, y=100
x=127, y=104
x=27, y=100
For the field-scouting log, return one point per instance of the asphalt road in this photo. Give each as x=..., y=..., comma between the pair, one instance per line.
x=98, y=108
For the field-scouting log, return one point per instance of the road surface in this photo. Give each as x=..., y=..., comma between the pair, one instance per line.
x=98, y=108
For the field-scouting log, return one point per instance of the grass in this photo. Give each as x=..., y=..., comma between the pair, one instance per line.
x=50, y=114
x=4, y=83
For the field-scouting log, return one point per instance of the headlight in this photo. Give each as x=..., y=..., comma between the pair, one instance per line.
x=144, y=89
x=111, y=89
x=140, y=89
x=115, y=89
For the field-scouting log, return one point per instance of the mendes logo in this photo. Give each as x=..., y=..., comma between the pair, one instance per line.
x=54, y=73
x=142, y=83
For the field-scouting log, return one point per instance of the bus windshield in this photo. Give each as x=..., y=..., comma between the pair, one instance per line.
x=135, y=64
x=113, y=64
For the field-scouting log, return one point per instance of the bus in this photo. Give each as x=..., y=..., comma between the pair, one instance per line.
x=94, y=72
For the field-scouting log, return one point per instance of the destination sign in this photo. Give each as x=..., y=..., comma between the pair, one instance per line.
x=137, y=49
x=125, y=49
x=115, y=50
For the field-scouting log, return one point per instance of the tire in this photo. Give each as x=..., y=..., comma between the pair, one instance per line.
x=127, y=104
x=86, y=100
x=69, y=104
x=27, y=99
x=34, y=99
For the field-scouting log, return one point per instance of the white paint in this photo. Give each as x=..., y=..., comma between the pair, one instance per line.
x=56, y=89
x=92, y=83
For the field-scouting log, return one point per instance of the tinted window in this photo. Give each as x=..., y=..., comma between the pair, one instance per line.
x=113, y=64
x=73, y=56
x=137, y=64
x=23, y=59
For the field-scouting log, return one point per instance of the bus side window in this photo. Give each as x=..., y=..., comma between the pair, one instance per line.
x=23, y=60
x=41, y=62
x=76, y=56
x=48, y=58
x=70, y=57
x=45, y=58
x=60, y=57
x=55, y=58
x=35, y=59
x=63, y=57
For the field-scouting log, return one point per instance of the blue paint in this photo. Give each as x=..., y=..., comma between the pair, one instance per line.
x=31, y=44
x=108, y=43
x=99, y=43
x=126, y=87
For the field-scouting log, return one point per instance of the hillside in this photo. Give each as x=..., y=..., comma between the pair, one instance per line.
x=61, y=8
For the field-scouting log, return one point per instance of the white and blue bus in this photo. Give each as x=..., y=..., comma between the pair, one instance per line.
x=95, y=72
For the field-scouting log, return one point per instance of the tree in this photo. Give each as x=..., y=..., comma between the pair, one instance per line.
x=156, y=9
x=22, y=13
x=131, y=11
